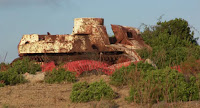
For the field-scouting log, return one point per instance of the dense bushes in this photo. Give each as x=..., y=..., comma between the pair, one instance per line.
x=13, y=74
x=2, y=84
x=59, y=75
x=84, y=92
x=163, y=84
x=176, y=27
x=25, y=65
x=4, y=66
x=190, y=67
x=172, y=42
x=149, y=85
x=124, y=75
x=10, y=77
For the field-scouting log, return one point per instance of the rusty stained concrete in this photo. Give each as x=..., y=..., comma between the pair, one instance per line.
x=55, y=44
x=129, y=36
x=89, y=34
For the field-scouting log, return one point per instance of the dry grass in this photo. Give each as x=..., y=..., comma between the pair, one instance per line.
x=42, y=95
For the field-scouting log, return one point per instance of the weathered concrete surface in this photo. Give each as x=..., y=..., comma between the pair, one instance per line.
x=121, y=34
x=54, y=44
x=99, y=38
x=130, y=52
x=89, y=35
x=129, y=36
x=85, y=25
x=94, y=27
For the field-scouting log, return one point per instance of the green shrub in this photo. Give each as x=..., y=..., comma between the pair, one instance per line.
x=84, y=92
x=163, y=84
x=176, y=27
x=191, y=66
x=171, y=41
x=25, y=65
x=14, y=74
x=11, y=77
x=198, y=80
x=4, y=66
x=59, y=75
x=124, y=75
x=2, y=84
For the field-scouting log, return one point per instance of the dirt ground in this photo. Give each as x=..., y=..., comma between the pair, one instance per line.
x=42, y=95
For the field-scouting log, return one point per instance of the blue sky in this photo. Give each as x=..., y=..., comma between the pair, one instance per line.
x=18, y=17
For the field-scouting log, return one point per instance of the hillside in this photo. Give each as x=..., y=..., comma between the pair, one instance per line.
x=167, y=75
x=42, y=95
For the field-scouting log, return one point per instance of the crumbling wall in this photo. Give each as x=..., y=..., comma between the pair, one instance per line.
x=54, y=44
x=89, y=35
x=94, y=27
x=129, y=36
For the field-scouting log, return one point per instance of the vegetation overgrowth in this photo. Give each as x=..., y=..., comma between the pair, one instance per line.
x=25, y=65
x=149, y=85
x=60, y=75
x=172, y=42
x=14, y=74
x=4, y=66
x=124, y=75
x=84, y=92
